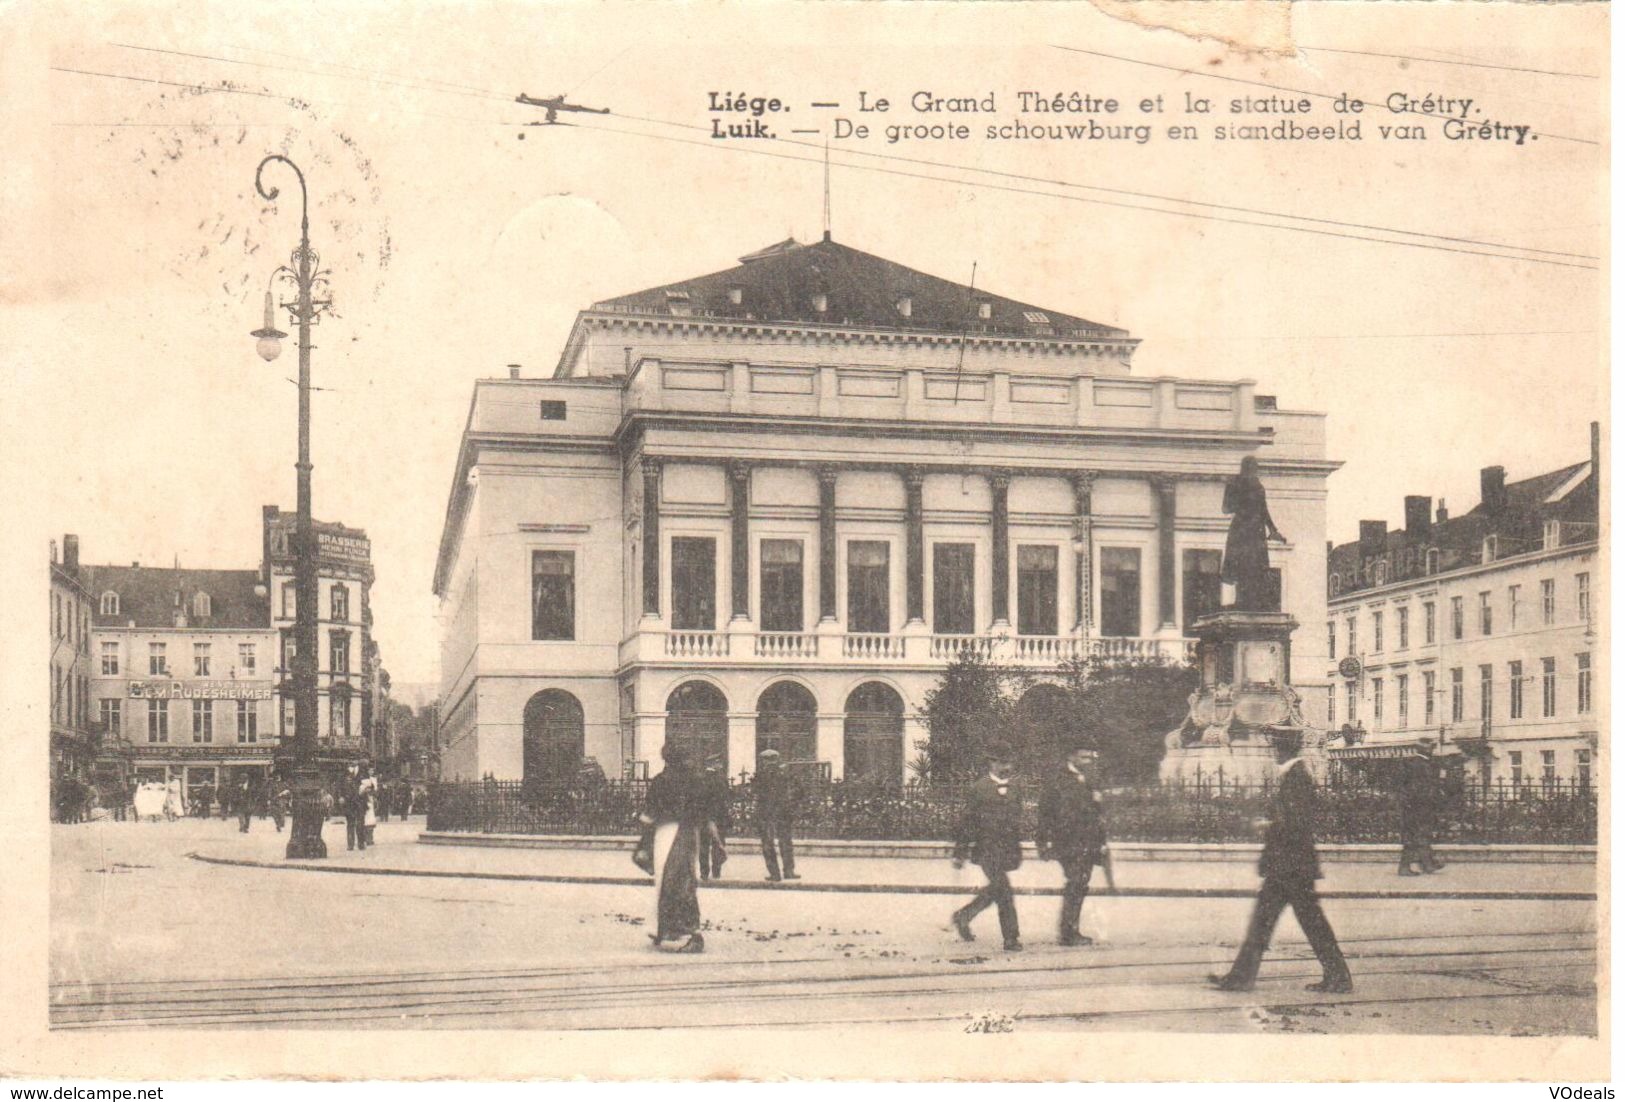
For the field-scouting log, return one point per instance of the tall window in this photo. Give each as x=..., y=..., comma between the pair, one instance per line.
x=1430, y=623
x=288, y=716
x=290, y=649
x=248, y=722
x=338, y=646
x=157, y=721
x=202, y=607
x=552, y=594
x=1331, y=705
x=1120, y=591
x=1402, y=626
x=693, y=583
x=340, y=601
x=1548, y=767
x=109, y=657
x=1512, y=606
x=1486, y=693
x=1429, y=686
x=1457, y=619
x=1331, y=639
x=1458, y=695
x=953, y=588
x=1514, y=690
x=1515, y=762
x=1376, y=631
x=868, y=586
x=247, y=658
x=1376, y=702
x=1351, y=698
x=1548, y=687
x=339, y=714
x=200, y=659
x=290, y=601
x=109, y=606
x=1202, y=585
x=1402, y=700
x=1582, y=596
x=157, y=660
x=1582, y=768
x=202, y=721
x=1353, y=636
x=111, y=717
x=782, y=585
x=1037, y=586
x=1486, y=620
x=1582, y=682
x=1548, y=601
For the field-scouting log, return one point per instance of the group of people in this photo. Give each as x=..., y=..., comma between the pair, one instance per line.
x=687, y=814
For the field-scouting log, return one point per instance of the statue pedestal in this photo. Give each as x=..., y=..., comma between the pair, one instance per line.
x=1246, y=694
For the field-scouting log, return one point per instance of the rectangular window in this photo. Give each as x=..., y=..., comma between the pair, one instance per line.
x=553, y=594
x=1548, y=687
x=781, y=585
x=1376, y=703
x=1582, y=596
x=1430, y=623
x=1402, y=700
x=339, y=715
x=1582, y=768
x=1514, y=690
x=1376, y=632
x=1429, y=709
x=1331, y=639
x=953, y=588
x=157, y=721
x=1512, y=606
x=1458, y=619
x=1548, y=601
x=289, y=601
x=1515, y=761
x=868, y=586
x=111, y=716
x=248, y=722
x=290, y=649
x=1486, y=693
x=693, y=583
x=1458, y=695
x=338, y=656
x=1486, y=619
x=1331, y=705
x=1582, y=682
x=247, y=659
x=202, y=721
x=1120, y=591
x=340, y=601
x=1548, y=767
x=1037, y=589
x=200, y=660
x=1351, y=700
x=1402, y=626
x=110, y=658
x=289, y=727
x=1353, y=637
x=1201, y=584
x=157, y=660
x=552, y=410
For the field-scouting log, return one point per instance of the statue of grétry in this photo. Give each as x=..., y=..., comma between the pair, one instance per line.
x=1246, y=548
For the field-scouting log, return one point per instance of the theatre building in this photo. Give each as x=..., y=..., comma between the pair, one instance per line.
x=182, y=668
x=767, y=507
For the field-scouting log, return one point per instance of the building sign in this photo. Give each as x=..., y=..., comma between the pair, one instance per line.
x=197, y=690
x=332, y=545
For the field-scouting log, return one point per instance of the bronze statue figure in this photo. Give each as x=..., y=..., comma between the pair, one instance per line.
x=1246, y=552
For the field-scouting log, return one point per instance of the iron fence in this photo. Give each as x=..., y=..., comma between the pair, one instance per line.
x=1210, y=811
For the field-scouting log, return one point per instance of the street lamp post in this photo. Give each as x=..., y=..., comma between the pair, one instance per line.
x=305, y=837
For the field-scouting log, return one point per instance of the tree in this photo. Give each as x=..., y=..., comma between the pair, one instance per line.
x=1126, y=707
x=972, y=707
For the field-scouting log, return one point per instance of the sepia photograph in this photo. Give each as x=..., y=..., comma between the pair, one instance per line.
x=765, y=540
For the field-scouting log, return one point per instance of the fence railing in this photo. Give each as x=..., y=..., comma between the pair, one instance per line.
x=1205, y=811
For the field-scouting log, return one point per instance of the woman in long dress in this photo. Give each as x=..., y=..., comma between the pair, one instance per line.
x=1246, y=562
x=369, y=812
x=174, y=800
x=674, y=817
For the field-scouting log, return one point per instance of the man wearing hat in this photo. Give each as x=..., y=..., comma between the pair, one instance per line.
x=1072, y=830
x=1418, y=810
x=1290, y=868
x=775, y=800
x=714, y=794
x=989, y=835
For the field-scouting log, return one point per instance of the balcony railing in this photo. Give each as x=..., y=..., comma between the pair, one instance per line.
x=949, y=647
x=873, y=646
x=786, y=644
x=1036, y=651
x=697, y=644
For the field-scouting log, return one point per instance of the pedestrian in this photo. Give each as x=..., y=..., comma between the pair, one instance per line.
x=245, y=804
x=281, y=802
x=675, y=819
x=369, y=806
x=775, y=808
x=355, y=807
x=1290, y=868
x=1072, y=830
x=174, y=800
x=989, y=836
x=714, y=789
x=1419, y=798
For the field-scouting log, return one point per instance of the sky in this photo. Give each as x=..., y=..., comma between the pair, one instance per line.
x=460, y=241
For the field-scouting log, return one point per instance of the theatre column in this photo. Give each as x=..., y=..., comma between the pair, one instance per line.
x=1162, y=493
x=914, y=519
x=827, y=563
x=651, y=538
x=1083, y=551
x=739, y=572
x=999, y=482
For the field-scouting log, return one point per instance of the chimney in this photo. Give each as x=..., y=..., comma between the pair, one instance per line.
x=1373, y=533
x=1492, y=489
x=70, y=552
x=1443, y=514
x=1596, y=453
x=513, y=371
x=53, y=552
x=135, y=566
x=1418, y=515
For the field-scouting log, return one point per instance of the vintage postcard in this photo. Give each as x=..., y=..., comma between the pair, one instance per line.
x=1032, y=541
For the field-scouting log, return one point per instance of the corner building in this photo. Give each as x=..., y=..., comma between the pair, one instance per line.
x=768, y=506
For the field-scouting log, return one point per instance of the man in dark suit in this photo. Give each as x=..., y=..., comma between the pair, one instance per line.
x=1072, y=830
x=989, y=835
x=1290, y=868
x=775, y=808
x=1419, y=797
x=714, y=792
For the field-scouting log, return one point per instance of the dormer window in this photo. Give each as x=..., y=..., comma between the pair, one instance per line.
x=1433, y=560
x=736, y=295
x=201, y=605
x=1036, y=317
x=1551, y=535
x=1491, y=546
x=677, y=302
x=109, y=603
x=820, y=303
x=984, y=310
x=905, y=306
x=1337, y=584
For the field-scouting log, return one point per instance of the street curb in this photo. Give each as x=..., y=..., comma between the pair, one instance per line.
x=1395, y=894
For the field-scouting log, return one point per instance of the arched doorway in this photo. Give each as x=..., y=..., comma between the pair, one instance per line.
x=697, y=721
x=1043, y=724
x=555, y=738
x=787, y=721
x=874, y=735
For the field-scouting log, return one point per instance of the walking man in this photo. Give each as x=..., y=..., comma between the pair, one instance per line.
x=775, y=807
x=355, y=809
x=989, y=835
x=1072, y=830
x=1290, y=868
x=714, y=794
x=1419, y=795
